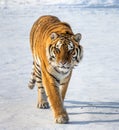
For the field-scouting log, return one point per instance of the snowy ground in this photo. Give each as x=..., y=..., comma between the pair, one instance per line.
x=93, y=96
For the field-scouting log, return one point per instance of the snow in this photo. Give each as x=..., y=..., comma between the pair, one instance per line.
x=79, y=3
x=92, y=99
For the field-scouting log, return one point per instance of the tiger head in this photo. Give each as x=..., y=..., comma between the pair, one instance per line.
x=64, y=51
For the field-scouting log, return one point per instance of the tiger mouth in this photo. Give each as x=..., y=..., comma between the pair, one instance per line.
x=62, y=69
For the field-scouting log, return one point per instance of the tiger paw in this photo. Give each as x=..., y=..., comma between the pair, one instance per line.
x=43, y=105
x=62, y=119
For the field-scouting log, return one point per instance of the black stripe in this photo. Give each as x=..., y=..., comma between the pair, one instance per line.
x=37, y=65
x=50, y=48
x=38, y=68
x=56, y=70
x=32, y=81
x=40, y=87
x=55, y=86
x=77, y=50
x=62, y=83
x=33, y=73
x=37, y=76
x=57, y=80
x=39, y=81
x=80, y=49
x=37, y=73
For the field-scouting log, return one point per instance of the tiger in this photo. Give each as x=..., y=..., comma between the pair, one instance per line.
x=56, y=51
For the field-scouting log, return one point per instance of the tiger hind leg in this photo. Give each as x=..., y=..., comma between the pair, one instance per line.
x=32, y=81
x=42, y=98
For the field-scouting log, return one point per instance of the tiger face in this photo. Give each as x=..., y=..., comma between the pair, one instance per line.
x=64, y=52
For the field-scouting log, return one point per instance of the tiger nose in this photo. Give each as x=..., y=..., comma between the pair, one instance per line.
x=63, y=62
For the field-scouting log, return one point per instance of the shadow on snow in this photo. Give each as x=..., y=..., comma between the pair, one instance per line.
x=95, y=108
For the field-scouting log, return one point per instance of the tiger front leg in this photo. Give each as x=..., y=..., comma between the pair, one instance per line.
x=64, y=86
x=63, y=90
x=55, y=100
x=58, y=109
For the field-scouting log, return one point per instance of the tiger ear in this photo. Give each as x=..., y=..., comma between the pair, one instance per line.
x=53, y=36
x=77, y=37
